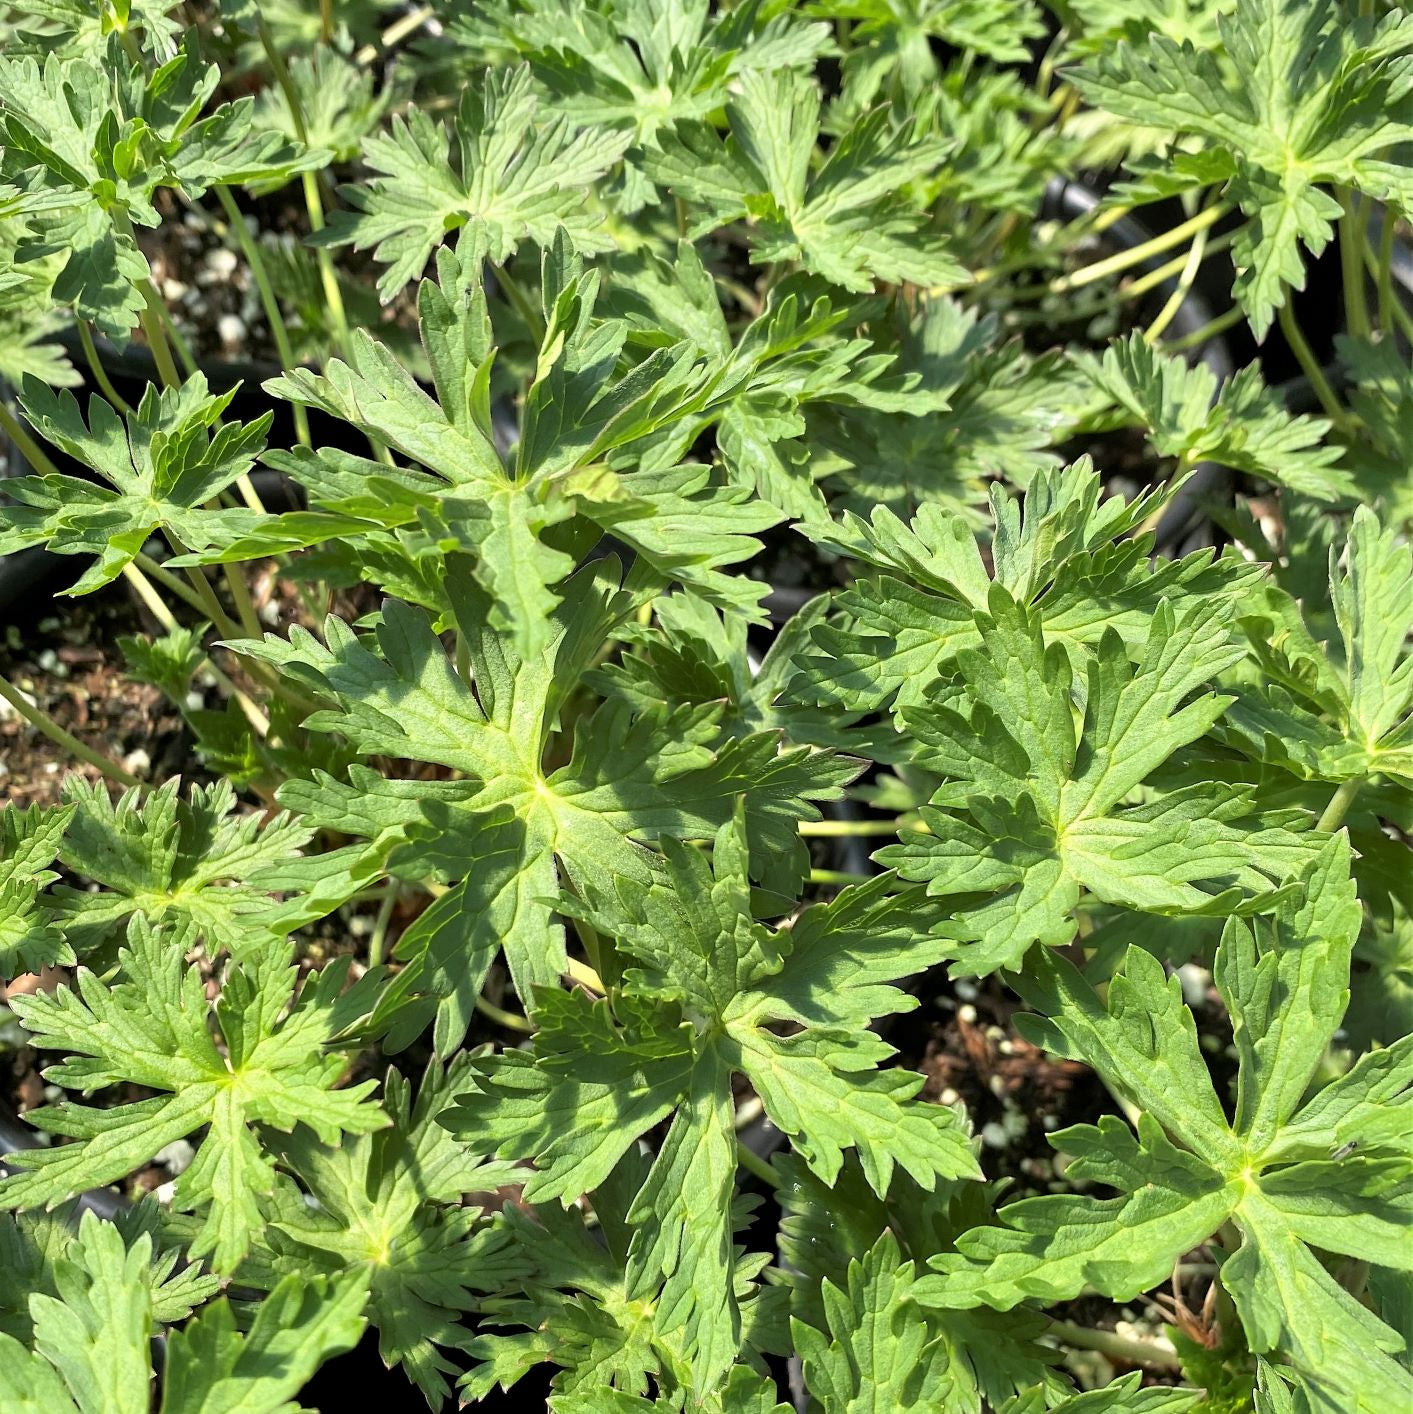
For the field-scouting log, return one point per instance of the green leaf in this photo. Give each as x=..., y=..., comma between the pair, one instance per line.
x=1043, y=799
x=1239, y=422
x=848, y=221
x=387, y=1206
x=1286, y=1184
x=153, y=1029
x=629, y=779
x=875, y=1353
x=522, y=174
x=212, y=1365
x=29, y=841
x=162, y=464
x=166, y=859
x=1296, y=96
x=1067, y=554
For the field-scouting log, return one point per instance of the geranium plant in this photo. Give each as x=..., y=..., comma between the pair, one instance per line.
x=740, y=539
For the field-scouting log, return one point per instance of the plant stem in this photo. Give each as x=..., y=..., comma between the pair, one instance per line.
x=152, y=311
x=1133, y=288
x=395, y=33
x=1310, y=365
x=149, y=596
x=169, y=582
x=753, y=1163
x=1385, y=276
x=37, y=458
x=1209, y=330
x=831, y=829
x=377, y=944
x=1195, y=256
x=515, y=293
x=508, y=1019
x=44, y=723
x=836, y=876
x=279, y=331
x=314, y=204
x=1351, y=265
x=1382, y=264
x=1333, y=815
x=1131, y=1352
x=100, y=374
x=1136, y=255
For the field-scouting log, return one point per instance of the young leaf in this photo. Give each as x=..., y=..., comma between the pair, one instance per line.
x=522, y=175
x=162, y=465
x=849, y=221
x=1239, y=423
x=1299, y=96
x=29, y=841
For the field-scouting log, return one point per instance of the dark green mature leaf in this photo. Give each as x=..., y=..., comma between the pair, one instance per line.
x=638, y=67
x=1299, y=96
x=1044, y=797
x=162, y=464
x=1280, y=1172
x=587, y=447
x=630, y=778
x=1340, y=713
x=33, y=1245
x=386, y=1206
x=153, y=1029
x=92, y=1352
x=603, y=1073
x=1067, y=553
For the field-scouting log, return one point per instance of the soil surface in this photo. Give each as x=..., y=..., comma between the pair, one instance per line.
x=62, y=653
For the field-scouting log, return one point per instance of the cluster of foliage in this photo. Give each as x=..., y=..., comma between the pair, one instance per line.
x=716, y=306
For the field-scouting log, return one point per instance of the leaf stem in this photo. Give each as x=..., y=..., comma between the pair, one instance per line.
x=1136, y=255
x=395, y=33
x=100, y=374
x=1131, y=1352
x=1384, y=275
x=38, y=718
x=14, y=429
x=279, y=331
x=1333, y=815
x=753, y=1163
x=1209, y=330
x=1351, y=264
x=515, y=293
x=832, y=829
x=837, y=876
x=1195, y=255
x=377, y=944
x=143, y=587
x=1310, y=365
x=170, y=582
x=512, y=1021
